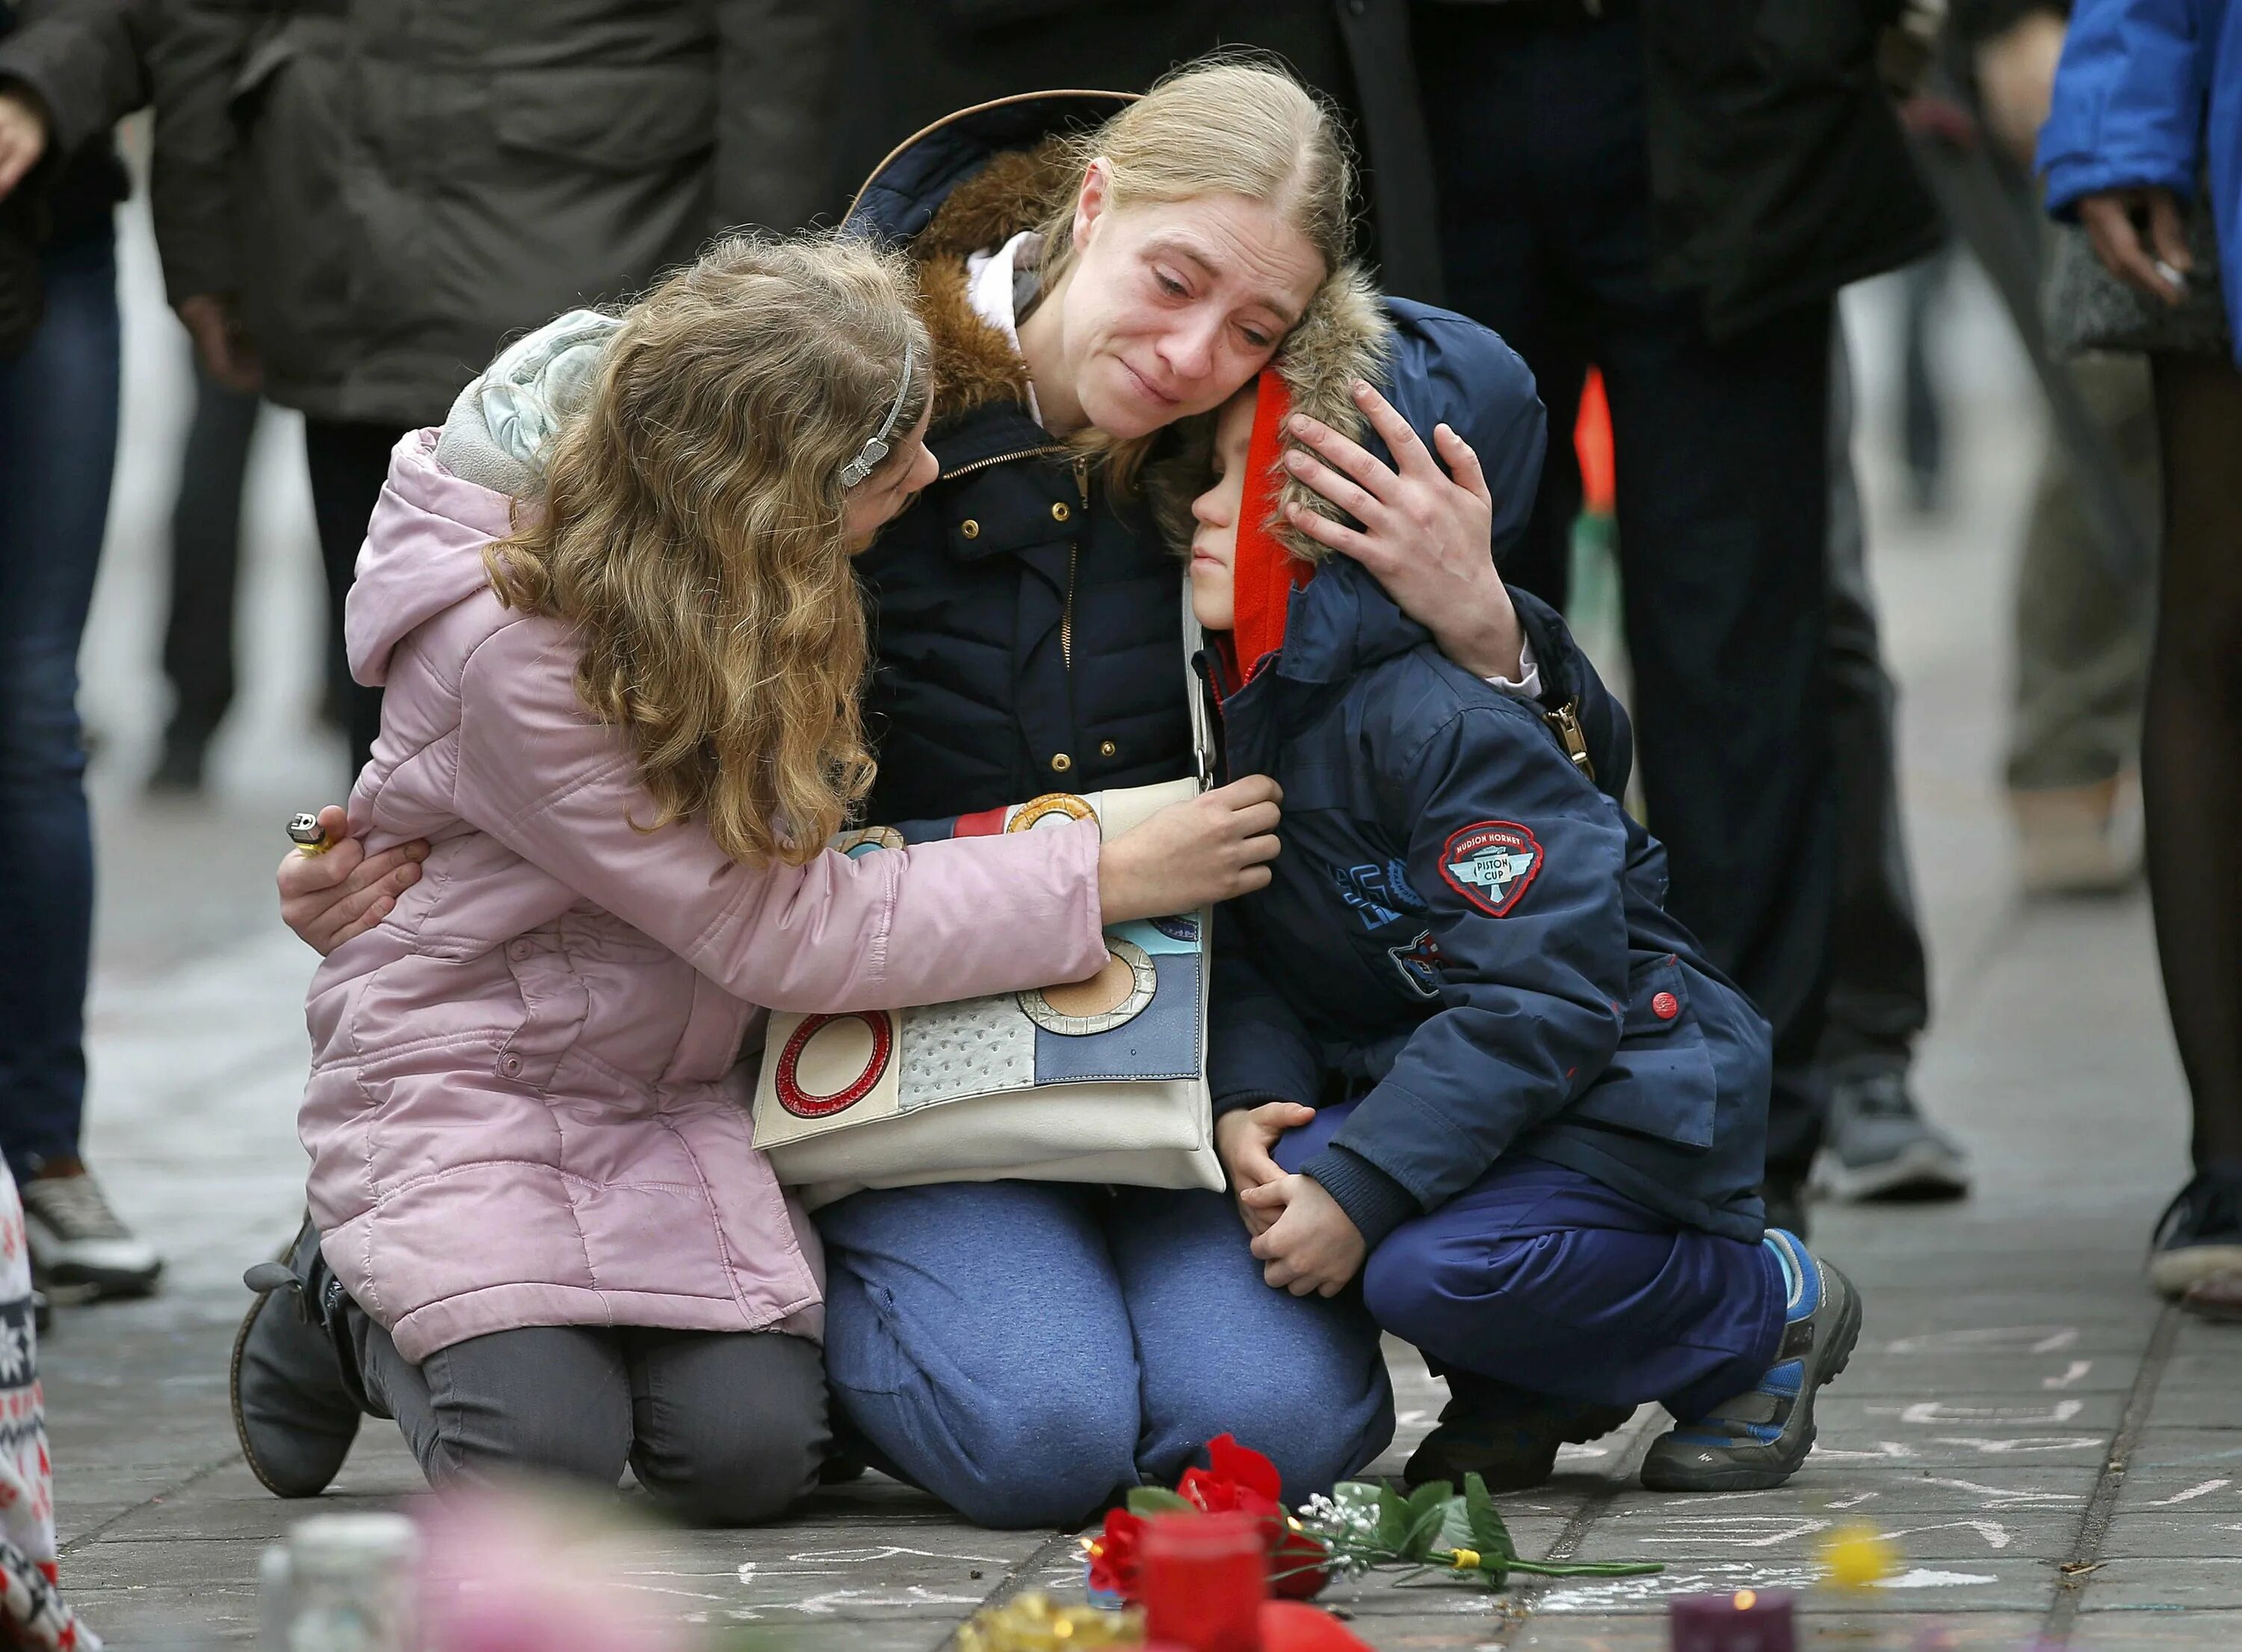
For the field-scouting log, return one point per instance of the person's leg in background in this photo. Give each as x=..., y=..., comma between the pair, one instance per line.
x=977, y=1339
x=205, y=560
x=1484, y=76
x=348, y=463
x=2191, y=790
x=1299, y=1379
x=1923, y=288
x=59, y=406
x=2083, y=640
x=1879, y=1145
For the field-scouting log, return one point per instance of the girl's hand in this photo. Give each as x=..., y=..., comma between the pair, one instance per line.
x=328, y=899
x=1425, y=531
x=2110, y=219
x=1313, y=1245
x=1193, y=854
x=1242, y=1141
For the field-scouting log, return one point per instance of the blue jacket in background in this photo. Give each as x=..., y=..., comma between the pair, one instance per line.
x=1465, y=930
x=2150, y=92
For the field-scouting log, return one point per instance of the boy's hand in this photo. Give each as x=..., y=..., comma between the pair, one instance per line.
x=1243, y=1140
x=1313, y=1245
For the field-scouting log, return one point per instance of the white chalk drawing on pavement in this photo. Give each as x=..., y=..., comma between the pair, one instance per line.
x=1991, y=1339
x=2073, y=1373
x=1745, y=1531
x=1997, y=1536
x=1998, y=1498
x=2190, y=1495
x=1887, y=1451
x=1717, y=1578
x=1931, y=1413
x=1923, y=1577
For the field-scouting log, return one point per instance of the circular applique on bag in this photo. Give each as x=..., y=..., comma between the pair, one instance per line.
x=832, y=1062
x=1053, y=808
x=1116, y=995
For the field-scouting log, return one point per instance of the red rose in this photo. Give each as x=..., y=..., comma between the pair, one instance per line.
x=1238, y=1478
x=1116, y=1567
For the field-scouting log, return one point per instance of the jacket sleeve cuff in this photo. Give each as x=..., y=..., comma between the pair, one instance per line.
x=1373, y=1202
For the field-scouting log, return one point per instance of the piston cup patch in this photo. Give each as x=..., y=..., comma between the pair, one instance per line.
x=1490, y=864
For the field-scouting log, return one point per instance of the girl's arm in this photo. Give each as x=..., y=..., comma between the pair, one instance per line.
x=897, y=927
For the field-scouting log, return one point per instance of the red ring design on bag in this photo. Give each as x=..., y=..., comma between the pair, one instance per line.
x=800, y=1103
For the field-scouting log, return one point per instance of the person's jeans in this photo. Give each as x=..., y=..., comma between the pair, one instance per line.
x=1880, y=976
x=727, y=1428
x=1024, y=1349
x=1538, y=132
x=58, y=403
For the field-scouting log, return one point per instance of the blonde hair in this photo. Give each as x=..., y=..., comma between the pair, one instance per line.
x=692, y=530
x=1231, y=123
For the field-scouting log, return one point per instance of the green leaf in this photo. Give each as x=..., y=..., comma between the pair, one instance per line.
x=1147, y=1501
x=1426, y=1506
x=1488, y=1534
x=1393, y=1517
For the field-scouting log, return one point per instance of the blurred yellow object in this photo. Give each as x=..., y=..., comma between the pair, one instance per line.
x=1033, y=1623
x=1856, y=1557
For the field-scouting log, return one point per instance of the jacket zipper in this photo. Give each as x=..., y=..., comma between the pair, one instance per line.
x=1074, y=561
x=1565, y=722
x=1001, y=458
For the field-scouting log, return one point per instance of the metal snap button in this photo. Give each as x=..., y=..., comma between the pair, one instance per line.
x=1107, y=748
x=510, y=1067
x=970, y=528
x=1061, y=763
x=519, y=950
x=1059, y=512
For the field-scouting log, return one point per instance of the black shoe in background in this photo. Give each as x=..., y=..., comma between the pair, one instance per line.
x=2199, y=1235
x=1506, y=1436
x=179, y=766
x=1879, y=1146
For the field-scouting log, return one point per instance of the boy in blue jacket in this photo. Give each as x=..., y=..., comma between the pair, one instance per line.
x=1458, y=1048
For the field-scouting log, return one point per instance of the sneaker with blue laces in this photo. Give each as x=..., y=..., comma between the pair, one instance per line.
x=1759, y=1438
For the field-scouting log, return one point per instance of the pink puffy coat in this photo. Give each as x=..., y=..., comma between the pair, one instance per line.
x=526, y=1104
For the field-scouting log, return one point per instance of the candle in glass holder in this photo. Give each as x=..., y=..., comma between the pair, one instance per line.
x=1748, y=1621
x=1205, y=1577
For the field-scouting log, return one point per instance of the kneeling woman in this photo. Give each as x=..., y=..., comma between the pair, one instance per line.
x=540, y=1237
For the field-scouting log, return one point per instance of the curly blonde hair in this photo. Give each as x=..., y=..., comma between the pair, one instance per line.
x=691, y=527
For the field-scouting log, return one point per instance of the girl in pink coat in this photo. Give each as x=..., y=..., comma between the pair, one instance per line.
x=624, y=717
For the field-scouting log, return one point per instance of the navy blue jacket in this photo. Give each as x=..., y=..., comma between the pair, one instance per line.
x=1465, y=931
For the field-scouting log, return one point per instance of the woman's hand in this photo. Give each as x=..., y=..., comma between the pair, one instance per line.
x=22, y=136
x=1424, y=533
x=1313, y=1245
x=2112, y=221
x=1243, y=1140
x=328, y=899
x=1191, y=854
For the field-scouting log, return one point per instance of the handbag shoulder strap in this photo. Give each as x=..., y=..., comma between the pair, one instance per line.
x=1202, y=726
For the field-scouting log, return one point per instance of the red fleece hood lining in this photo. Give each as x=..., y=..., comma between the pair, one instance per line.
x=1264, y=574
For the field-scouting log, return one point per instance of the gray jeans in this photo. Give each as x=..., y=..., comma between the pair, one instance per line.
x=723, y=1428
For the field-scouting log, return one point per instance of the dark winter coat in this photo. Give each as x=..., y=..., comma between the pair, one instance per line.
x=913, y=61
x=392, y=190
x=86, y=62
x=1464, y=932
x=1779, y=172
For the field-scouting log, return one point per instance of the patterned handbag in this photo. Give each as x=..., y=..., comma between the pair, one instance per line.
x=1100, y=1081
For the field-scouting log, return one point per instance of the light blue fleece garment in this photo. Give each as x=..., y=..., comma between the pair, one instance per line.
x=500, y=423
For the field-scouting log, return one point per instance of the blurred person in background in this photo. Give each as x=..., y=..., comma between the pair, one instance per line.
x=2142, y=147
x=382, y=195
x=68, y=72
x=2082, y=630
x=1675, y=196
x=205, y=567
x=1877, y=1145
